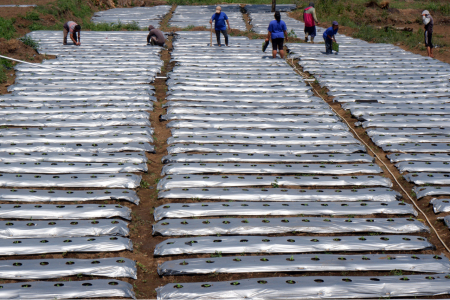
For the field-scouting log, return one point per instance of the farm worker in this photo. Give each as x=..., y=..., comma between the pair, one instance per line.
x=277, y=32
x=310, y=19
x=72, y=28
x=329, y=36
x=220, y=17
x=429, y=23
x=155, y=36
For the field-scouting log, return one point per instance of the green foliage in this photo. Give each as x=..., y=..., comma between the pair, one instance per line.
x=7, y=29
x=3, y=77
x=111, y=26
x=443, y=8
x=32, y=16
x=30, y=42
x=390, y=36
x=78, y=8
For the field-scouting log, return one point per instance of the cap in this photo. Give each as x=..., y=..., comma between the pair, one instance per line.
x=150, y=27
x=335, y=23
x=425, y=12
x=218, y=9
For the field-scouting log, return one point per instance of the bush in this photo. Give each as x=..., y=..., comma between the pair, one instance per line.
x=7, y=29
x=30, y=42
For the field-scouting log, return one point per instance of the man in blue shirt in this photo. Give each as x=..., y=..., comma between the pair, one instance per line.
x=277, y=32
x=329, y=36
x=220, y=17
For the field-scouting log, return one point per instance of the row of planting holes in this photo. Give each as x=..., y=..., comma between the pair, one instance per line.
x=287, y=221
x=178, y=286
x=54, y=223
x=293, y=241
x=184, y=263
x=302, y=204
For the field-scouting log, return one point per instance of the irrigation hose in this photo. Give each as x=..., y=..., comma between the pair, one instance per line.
x=40, y=65
x=371, y=150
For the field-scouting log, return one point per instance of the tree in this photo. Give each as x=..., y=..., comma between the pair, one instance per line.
x=274, y=5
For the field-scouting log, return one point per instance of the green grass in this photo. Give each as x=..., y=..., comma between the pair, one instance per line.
x=110, y=26
x=4, y=63
x=7, y=30
x=30, y=42
x=351, y=14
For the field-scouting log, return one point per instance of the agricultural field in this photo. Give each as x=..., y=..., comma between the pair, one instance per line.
x=193, y=171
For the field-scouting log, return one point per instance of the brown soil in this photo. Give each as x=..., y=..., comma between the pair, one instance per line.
x=18, y=50
x=141, y=225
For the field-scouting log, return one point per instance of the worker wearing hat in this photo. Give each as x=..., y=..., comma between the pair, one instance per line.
x=329, y=37
x=429, y=23
x=220, y=17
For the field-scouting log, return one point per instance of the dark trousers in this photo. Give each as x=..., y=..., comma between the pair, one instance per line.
x=225, y=34
x=328, y=46
x=66, y=33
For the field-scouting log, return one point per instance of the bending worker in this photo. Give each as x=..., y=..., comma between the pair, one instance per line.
x=310, y=19
x=155, y=36
x=72, y=28
x=220, y=17
x=277, y=32
x=329, y=37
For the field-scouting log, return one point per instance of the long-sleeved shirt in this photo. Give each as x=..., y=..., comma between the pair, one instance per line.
x=310, y=10
x=428, y=22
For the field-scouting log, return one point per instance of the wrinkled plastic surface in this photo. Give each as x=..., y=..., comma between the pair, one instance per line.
x=99, y=288
x=129, y=157
x=306, y=263
x=440, y=205
x=30, y=195
x=245, y=168
x=60, y=245
x=62, y=228
x=129, y=181
x=282, y=195
x=265, y=149
x=57, y=268
x=180, y=181
x=285, y=158
x=63, y=212
x=428, y=178
x=290, y=244
x=237, y=226
x=431, y=191
x=333, y=287
x=64, y=168
x=207, y=209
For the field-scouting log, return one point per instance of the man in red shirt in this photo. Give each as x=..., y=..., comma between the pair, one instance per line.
x=310, y=19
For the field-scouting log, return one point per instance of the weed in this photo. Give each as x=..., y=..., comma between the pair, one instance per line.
x=145, y=184
x=30, y=42
x=397, y=272
x=292, y=34
x=142, y=267
x=275, y=184
x=217, y=254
